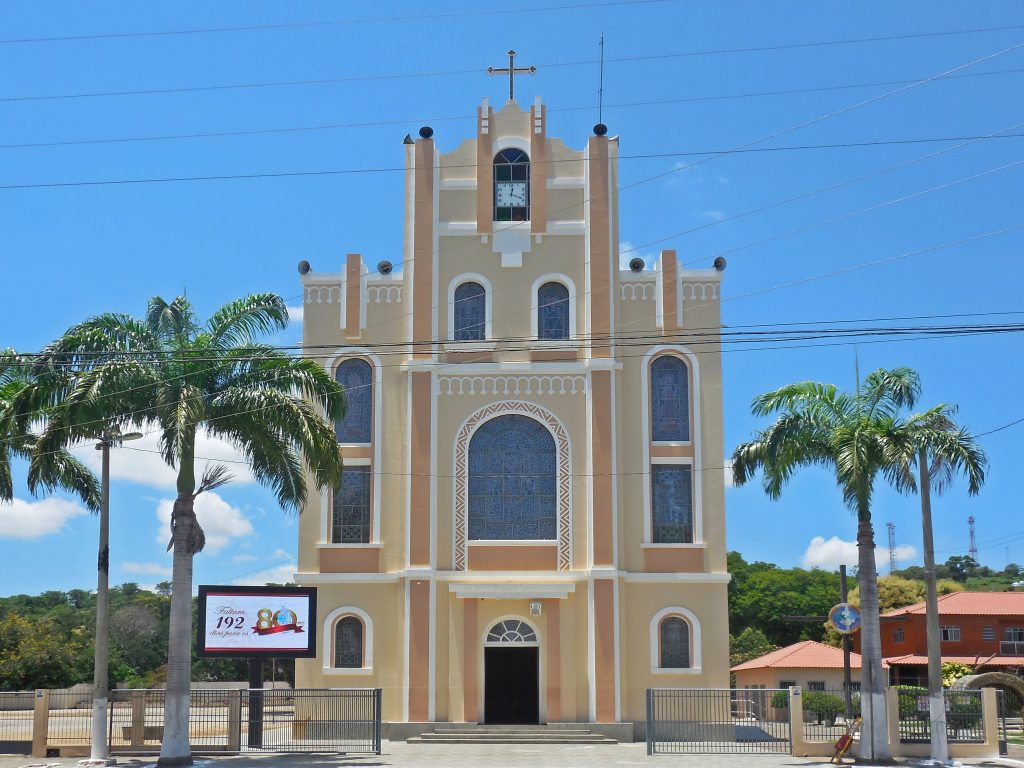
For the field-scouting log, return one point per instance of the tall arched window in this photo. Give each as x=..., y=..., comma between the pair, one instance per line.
x=674, y=637
x=470, y=312
x=348, y=643
x=512, y=481
x=553, y=311
x=670, y=399
x=511, y=185
x=356, y=376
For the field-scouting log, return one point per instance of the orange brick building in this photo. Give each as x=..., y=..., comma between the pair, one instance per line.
x=984, y=630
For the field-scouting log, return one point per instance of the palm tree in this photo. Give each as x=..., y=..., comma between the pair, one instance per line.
x=60, y=470
x=171, y=375
x=859, y=436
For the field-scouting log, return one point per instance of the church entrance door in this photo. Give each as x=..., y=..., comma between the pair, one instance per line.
x=511, y=685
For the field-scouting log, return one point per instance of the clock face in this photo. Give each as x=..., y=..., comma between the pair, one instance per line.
x=510, y=194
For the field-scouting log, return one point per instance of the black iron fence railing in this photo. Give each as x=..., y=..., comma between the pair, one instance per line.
x=964, y=718
x=707, y=721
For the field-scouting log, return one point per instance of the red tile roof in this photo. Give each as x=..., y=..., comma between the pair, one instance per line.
x=971, y=604
x=971, y=661
x=804, y=655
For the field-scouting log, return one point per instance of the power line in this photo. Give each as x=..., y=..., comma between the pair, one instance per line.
x=348, y=22
x=447, y=118
x=397, y=169
x=455, y=72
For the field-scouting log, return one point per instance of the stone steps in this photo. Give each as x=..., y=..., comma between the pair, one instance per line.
x=510, y=734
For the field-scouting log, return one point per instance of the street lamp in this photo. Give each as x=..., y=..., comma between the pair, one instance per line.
x=99, y=750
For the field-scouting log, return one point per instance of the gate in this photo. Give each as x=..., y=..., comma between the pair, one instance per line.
x=255, y=720
x=700, y=721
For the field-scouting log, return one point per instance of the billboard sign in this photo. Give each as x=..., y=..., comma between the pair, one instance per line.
x=254, y=622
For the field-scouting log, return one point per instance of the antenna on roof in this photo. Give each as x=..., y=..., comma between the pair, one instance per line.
x=892, y=546
x=600, y=84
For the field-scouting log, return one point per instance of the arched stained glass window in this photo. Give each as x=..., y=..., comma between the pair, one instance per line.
x=511, y=185
x=674, y=643
x=470, y=312
x=348, y=643
x=670, y=399
x=356, y=376
x=553, y=311
x=512, y=481
x=511, y=631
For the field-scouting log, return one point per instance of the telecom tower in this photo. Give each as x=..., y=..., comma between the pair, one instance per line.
x=973, y=551
x=892, y=546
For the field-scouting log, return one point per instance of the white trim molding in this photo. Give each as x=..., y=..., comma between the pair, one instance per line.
x=347, y=353
x=695, y=640
x=553, y=277
x=465, y=590
x=328, y=640
x=470, y=277
x=693, y=366
x=563, y=476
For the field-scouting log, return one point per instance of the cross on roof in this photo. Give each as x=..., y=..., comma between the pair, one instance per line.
x=512, y=70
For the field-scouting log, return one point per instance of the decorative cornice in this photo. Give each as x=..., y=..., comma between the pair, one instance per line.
x=517, y=386
x=384, y=294
x=700, y=291
x=637, y=290
x=322, y=294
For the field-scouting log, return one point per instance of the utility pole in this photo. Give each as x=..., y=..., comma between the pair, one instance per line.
x=847, y=643
x=99, y=750
x=936, y=699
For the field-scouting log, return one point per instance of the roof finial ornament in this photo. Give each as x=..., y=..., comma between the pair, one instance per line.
x=512, y=70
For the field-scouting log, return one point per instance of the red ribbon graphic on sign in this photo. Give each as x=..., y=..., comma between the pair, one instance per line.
x=274, y=630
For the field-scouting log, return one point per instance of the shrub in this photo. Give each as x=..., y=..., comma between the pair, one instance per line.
x=824, y=705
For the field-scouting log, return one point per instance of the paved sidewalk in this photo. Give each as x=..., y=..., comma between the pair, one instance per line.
x=402, y=755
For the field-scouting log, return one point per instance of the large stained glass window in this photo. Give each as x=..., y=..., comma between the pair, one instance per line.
x=553, y=311
x=351, y=519
x=512, y=481
x=670, y=399
x=470, y=312
x=356, y=376
x=348, y=643
x=674, y=644
x=672, y=503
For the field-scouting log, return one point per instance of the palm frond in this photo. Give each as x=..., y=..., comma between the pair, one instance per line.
x=214, y=476
x=240, y=321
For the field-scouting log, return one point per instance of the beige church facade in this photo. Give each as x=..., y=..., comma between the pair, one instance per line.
x=531, y=523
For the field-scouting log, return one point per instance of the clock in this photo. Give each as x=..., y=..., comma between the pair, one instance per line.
x=510, y=194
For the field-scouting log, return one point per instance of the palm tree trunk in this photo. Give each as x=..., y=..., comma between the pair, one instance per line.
x=175, y=749
x=874, y=740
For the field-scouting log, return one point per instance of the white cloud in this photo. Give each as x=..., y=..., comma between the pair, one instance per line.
x=150, y=569
x=295, y=314
x=220, y=521
x=280, y=554
x=140, y=461
x=712, y=215
x=243, y=558
x=35, y=519
x=834, y=552
x=279, y=574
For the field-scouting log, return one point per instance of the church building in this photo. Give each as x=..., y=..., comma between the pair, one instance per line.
x=530, y=527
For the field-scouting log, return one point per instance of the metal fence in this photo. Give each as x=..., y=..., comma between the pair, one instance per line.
x=964, y=720
x=16, y=713
x=827, y=713
x=700, y=721
x=70, y=720
x=268, y=720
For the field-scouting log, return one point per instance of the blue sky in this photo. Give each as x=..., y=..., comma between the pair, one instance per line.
x=70, y=252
